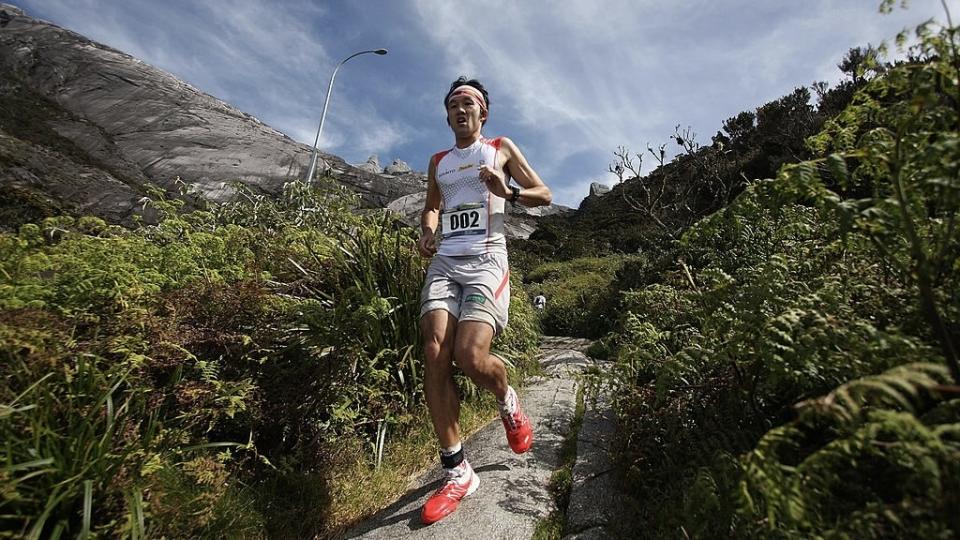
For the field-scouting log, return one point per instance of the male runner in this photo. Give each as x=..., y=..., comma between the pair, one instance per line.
x=466, y=294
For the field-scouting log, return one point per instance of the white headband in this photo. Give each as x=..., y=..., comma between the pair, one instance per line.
x=467, y=90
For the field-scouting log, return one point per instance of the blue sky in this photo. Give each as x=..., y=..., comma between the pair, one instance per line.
x=569, y=80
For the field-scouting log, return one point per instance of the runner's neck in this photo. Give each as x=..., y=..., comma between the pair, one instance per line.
x=465, y=142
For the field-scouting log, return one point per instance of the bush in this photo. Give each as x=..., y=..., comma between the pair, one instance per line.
x=520, y=341
x=161, y=381
x=840, y=278
x=580, y=301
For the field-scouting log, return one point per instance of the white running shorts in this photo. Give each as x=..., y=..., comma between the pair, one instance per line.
x=471, y=288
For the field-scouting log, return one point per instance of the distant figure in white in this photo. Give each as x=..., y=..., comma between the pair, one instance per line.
x=540, y=302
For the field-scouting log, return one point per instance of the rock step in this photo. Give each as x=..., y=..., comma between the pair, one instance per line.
x=596, y=506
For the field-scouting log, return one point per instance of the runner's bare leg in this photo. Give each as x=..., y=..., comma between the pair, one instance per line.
x=438, y=328
x=472, y=353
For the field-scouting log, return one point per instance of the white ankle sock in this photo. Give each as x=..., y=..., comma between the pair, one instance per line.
x=452, y=450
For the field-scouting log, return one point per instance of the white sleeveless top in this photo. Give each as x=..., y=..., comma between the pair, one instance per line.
x=471, y=218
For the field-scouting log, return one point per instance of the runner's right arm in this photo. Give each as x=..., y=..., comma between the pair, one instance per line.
x=430, y=217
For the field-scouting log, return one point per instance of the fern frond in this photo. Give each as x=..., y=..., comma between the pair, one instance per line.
x=900, y=387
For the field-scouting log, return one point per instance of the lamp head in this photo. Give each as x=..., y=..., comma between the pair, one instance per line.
x=380, y=51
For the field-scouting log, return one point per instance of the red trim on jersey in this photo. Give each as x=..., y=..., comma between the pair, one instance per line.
x=496, y=144
x=503, y=284
x=489, y=223
x=438, y=156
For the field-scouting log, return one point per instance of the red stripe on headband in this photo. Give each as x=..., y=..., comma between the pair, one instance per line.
x=467, y=90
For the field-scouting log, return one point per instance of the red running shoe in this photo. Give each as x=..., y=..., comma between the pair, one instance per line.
x=519, y=429
x=460, y=481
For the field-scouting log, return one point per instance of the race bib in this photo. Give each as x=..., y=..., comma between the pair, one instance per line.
x=465, y=219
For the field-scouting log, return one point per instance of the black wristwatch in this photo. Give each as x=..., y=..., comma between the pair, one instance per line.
x=516, y=194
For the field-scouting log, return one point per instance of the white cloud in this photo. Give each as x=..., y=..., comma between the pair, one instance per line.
x=583, y=73
x=568, y=79
x=262, y=58
x=356, y=132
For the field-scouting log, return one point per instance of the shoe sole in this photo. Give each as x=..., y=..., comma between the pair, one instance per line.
x=523, y=450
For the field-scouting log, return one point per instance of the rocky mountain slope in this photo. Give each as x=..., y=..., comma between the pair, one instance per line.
x=84, y=128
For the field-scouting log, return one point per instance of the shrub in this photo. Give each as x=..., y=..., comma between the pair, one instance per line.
x=580, y=301
x=160, y=381
x=838, y=277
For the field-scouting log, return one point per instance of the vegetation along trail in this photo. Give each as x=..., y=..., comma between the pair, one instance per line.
x=773, y=322
x=516, y=497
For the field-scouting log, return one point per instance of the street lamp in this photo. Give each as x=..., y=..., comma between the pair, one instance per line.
x=326, y=102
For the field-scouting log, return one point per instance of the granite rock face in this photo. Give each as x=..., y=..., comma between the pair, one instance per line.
x=372, y=165
x=597, y=189
x=85, y=127
x=597, y=192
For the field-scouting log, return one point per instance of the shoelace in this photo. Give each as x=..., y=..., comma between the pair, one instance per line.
x=511, y=417
x=511, y=420
x=450, y=482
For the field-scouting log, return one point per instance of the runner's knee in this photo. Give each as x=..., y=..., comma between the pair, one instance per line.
x=469, y=354
x=436, y=352
x=437, y=357
x=436, y=328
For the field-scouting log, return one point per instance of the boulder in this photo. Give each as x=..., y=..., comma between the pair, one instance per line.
x=398, y=167
x=598, y=190
x=372, y=165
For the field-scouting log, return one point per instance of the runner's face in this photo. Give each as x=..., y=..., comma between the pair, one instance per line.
x=464, y=115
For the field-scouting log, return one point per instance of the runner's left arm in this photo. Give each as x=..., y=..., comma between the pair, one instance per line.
x=533, y=191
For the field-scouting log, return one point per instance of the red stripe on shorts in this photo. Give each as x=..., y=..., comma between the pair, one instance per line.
x=503, y=284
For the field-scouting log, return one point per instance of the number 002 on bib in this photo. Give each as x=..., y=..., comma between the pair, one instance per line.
x=466, y=219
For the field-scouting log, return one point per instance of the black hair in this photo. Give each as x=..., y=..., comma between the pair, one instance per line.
x=472, y=82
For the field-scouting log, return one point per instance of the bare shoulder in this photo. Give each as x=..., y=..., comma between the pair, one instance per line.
x=507, y=145
x=510, y=151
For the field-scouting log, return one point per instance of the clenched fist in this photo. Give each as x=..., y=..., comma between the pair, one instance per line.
x=427, y=245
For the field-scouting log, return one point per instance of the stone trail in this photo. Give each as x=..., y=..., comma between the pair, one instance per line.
x=513, y=496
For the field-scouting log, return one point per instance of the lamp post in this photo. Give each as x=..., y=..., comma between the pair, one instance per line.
x=326, y=103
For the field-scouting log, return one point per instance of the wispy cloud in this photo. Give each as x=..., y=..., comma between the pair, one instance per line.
x=362, y=129
x=585, y=74
x=570, y=81
x=218, y=47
